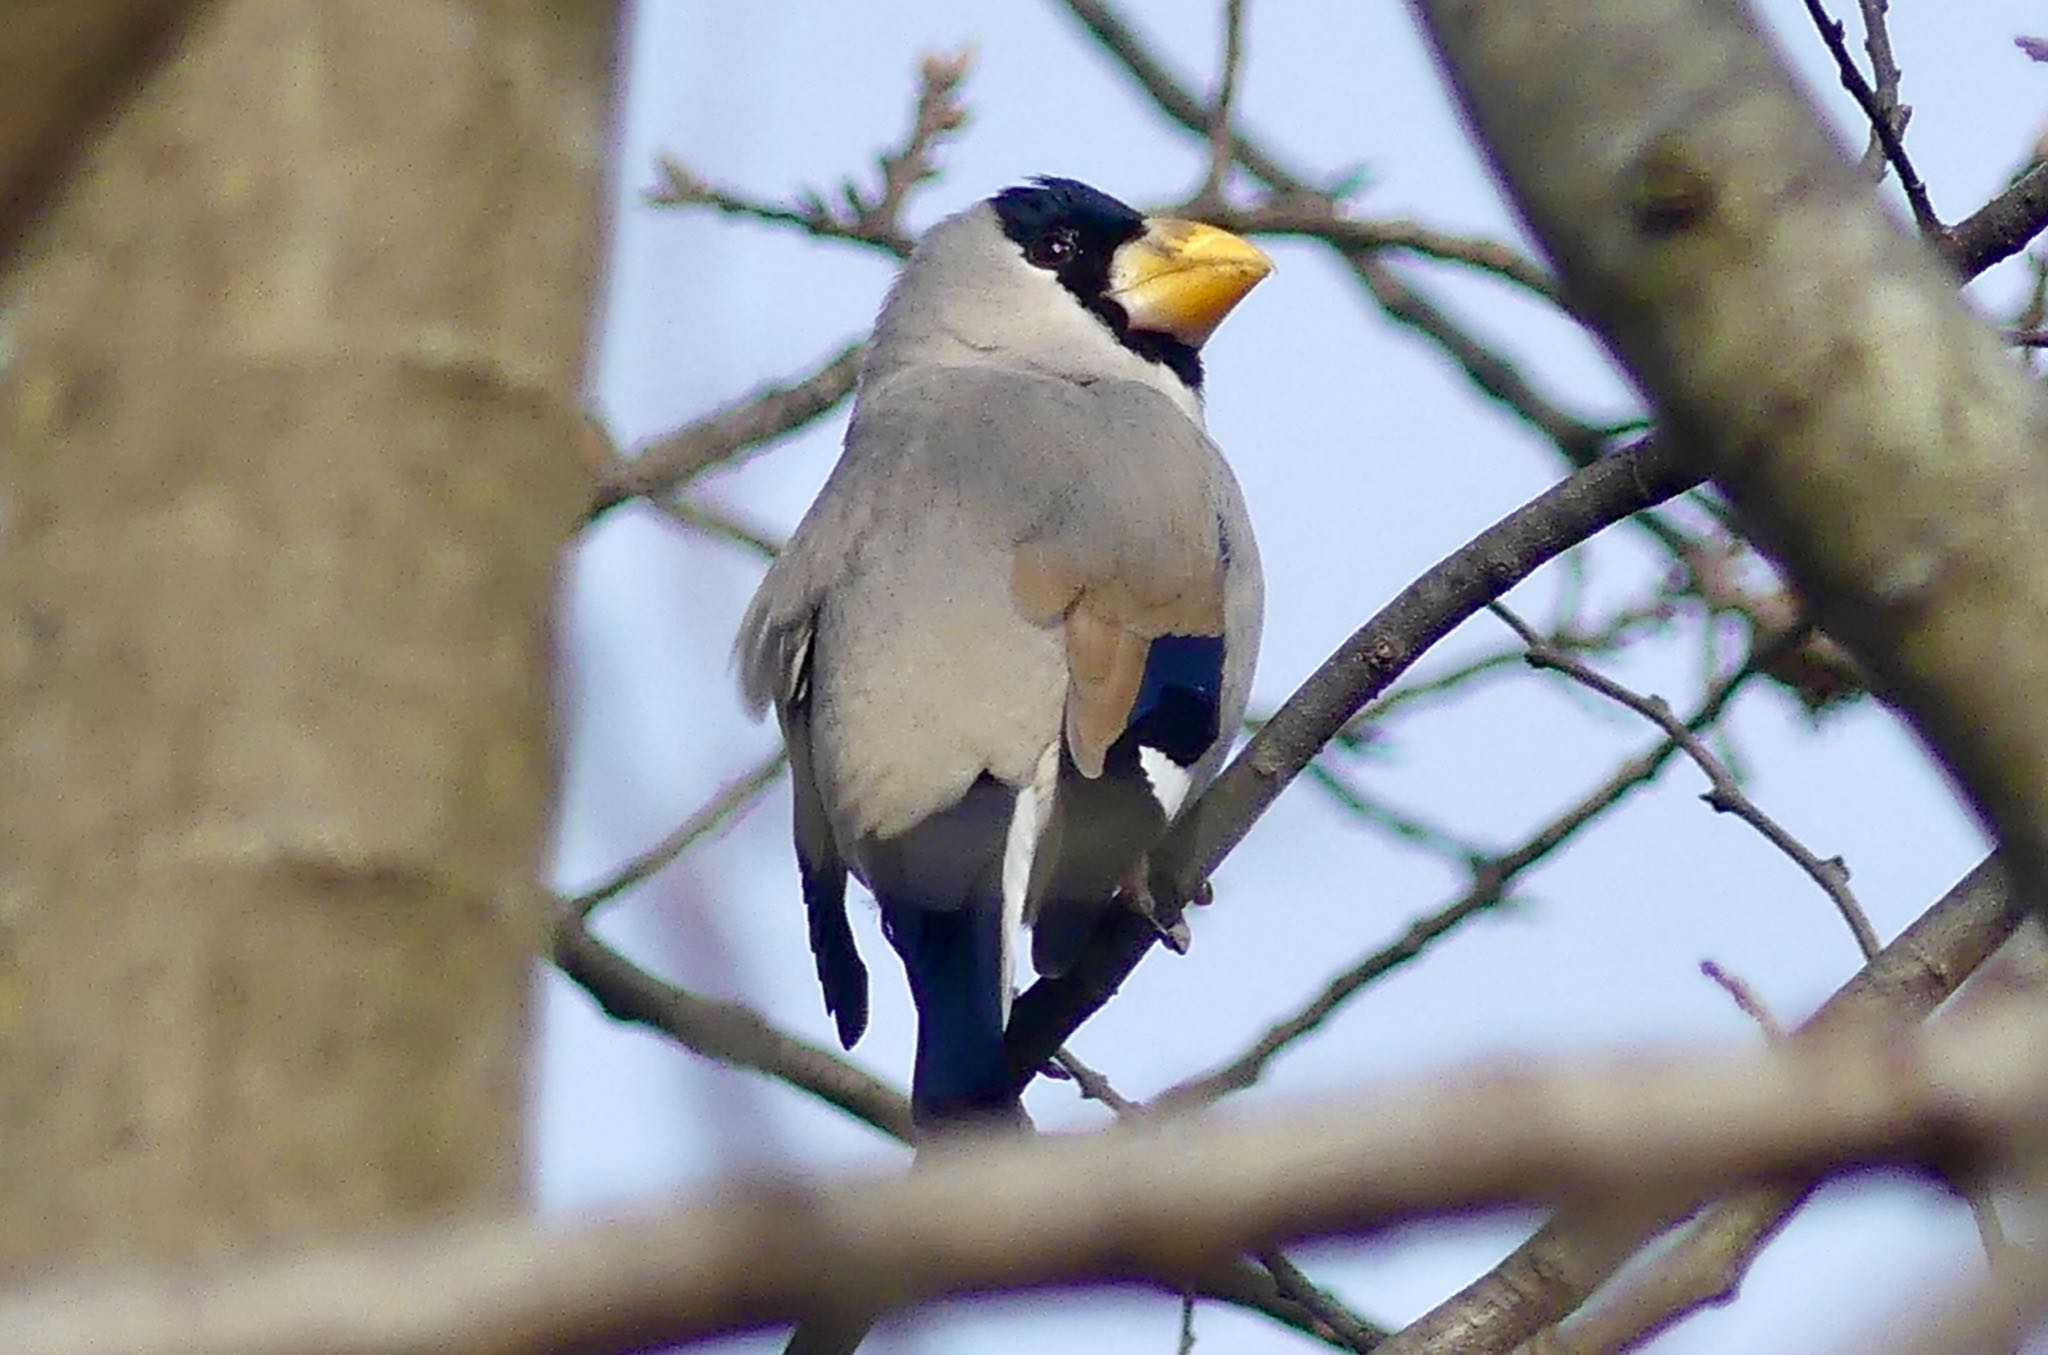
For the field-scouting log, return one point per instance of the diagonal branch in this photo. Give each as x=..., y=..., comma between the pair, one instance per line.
x=726, y=1031
x=1571, y=1256
x=1491, y=879
x=2002, y=227
x=732, y=800
x=1882, y=124
x=671, y=461
x=1725, y=794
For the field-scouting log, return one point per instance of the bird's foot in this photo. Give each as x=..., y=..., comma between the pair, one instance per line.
x=1172, y=927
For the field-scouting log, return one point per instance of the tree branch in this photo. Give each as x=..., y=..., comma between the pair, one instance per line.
x=2002, y=227
x=1879, y=112
x=1866, y=424
x=726, y=1031
x=1315, y=218
x=1725, y=794
x=1488, y=886
x=1147, y=1201
x=671, y=461
x=873, y=218
x=1572, y=1255
x=735, y=798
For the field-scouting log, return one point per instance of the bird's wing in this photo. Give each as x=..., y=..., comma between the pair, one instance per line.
x=1146, y=554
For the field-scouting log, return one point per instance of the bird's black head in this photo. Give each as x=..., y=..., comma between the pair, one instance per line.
x=1073, y=232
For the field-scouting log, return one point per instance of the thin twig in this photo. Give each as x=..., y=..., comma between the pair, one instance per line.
x=1487, y=889
x=865, y=217
x=1317, y=218
x=1296, y=1285
x=1833, y=33
x=1884, y=79
x=1398, y=823
x=1745, y=998
x=1611, y=635
x=1092, y=1084
x=1222, y=153
x=667, y=463
x=1725, y=795
x=732, y=799
x=717, y=523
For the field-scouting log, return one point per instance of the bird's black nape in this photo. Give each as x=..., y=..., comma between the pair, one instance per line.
x=1073, y=231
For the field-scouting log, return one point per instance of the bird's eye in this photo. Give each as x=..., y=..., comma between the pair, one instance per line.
x=1052, y=249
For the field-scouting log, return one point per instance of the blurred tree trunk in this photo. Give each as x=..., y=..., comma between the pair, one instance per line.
x=285, y=464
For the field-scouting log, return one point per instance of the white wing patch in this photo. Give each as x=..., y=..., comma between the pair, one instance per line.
x=1168, y=779
x=1028, y=818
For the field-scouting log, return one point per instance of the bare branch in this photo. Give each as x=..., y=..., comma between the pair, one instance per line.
x=726, y=1031
x=1882, y=123
x=873, y=218
x=1746, y=999
x=1491, y=878
x=671, y=461
x=1222, y=154
x=1147, y=1200
x=2002, y=227
x=713, y=522
x=1573, y=1254
x=1316, y=218
x=1725, y=794
x=1885, y=80
x=1728, y=254
x=733, y=799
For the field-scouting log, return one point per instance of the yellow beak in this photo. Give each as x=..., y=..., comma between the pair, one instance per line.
x=1182, y=277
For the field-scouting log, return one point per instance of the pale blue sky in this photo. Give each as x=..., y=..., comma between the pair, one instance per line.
x=1364, y=458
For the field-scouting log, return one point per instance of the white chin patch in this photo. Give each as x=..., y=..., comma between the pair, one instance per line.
x=1168, y=779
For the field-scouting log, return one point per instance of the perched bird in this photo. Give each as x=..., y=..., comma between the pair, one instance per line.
x=1016, y=629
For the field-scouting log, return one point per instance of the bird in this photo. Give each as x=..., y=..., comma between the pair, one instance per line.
x=1016, y=629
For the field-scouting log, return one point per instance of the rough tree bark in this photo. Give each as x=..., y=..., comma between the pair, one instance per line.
x=1812, y=355
x=284, y=471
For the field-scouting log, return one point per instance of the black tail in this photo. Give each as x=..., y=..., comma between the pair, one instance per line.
x=955, y=961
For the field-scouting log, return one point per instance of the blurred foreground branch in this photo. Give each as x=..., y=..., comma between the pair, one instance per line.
x=1147, y=1201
